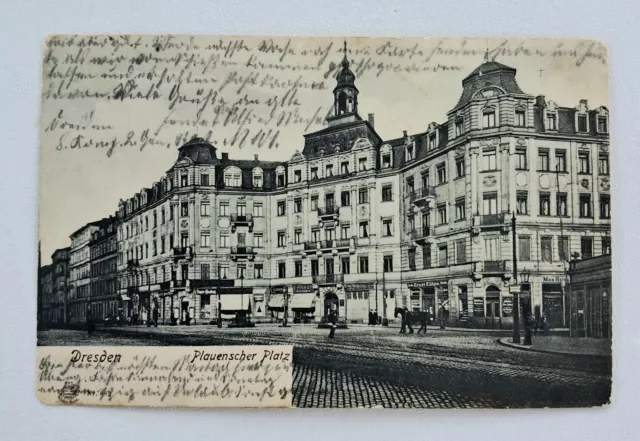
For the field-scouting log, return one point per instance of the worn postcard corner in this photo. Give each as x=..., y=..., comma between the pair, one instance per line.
x=322, y=222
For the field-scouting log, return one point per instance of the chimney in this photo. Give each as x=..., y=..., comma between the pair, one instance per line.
x=372, y=120
x=404, y=132
x=540, y=102
x=225, y=156
x=255, y=157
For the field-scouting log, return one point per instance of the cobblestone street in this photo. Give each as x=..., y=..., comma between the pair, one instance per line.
x=365, y=367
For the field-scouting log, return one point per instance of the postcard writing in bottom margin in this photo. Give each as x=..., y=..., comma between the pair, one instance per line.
x=218, y=376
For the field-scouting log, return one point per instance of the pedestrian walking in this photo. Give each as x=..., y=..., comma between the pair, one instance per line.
x=89, y=321
x=333, y=320
x=155, y=316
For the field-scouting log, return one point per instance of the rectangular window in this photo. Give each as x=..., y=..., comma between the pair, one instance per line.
x=442, y=173
x=204, y=209
x=387, y=227
x=489, y=161
x=522, y=202
x=224, y=208
x=543, y=160
x=345, y=264
x=492, y=248
x=314, y=202
x=606, y=245
x=344, y=231
x=551, y=121
x=364, y=229
x=281, y=180
x=586, y=247
x=460, y=209
x=257, y=240
x=561, y=204
x=524, y=248
x=204, y=271
x=344, y=168
x=224, y=240
x=257, y=181
x=281, y=239
x=345, y=198
x=459, y=167
x=386, y=160
x=184, y=240
x=432, y=141
x=298, y=268
x=204, y=179
x=520, y=118
x=583, y=163
x=387, y=264
x=461, y=251
x=363, y=195
x=184, y=210
x=257, y=209
x=603, y=164
x=363, y=264
x=171, y=241
x=605, y=206
x=224, y=272
x=561, y=160
x=387, y=193
x=314, y=268
x=315, y=235
x=329, y=170
x=563, y=248
x=281, y=208
x=241, y=209
x=585, y=205
x=297, y=236
x=409, y=152
x=545, y=204
x=282, y=270
x=582, y=123
x=425, y=179
x=442, y=215
x=155, y=248
x=205, y=240
x=443, y=257
x=314, y=172
x=426, y=256
x=329, y=234
x=162, y=245
x=602, y=124
x=362, y=164
x=546, y=248
x=489, y=118
x=297, y=205
x=297, y=176
x=459, y=127
x=184, y=180
x=521, y=158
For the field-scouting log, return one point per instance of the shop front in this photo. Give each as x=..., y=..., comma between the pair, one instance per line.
x=303, y=303
x=358, y=303
x=431, y=296
x=491, y=303
x=276, y=302
x=590, y=297
x=553, y=301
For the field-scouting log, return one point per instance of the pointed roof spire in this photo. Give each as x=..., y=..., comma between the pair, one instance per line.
x=345, y=61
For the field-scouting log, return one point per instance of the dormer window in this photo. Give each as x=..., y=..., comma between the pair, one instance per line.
x=520, y=117
x=582, y=123
x=297, y=176
x=458, y=124
x=489, y=118
x=432, y=141
x=232, y=177
x=410, y=152
x=362, y=164
x=602, y=124
x=257, y=178
x=386, y=160
x=314, y=172
x=329, y=170
x=552, y=121
x=280, y=178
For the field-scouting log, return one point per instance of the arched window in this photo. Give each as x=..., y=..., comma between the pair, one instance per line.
x=232, y=177
x=386, y=156
x=342, y=103
x=257, y=177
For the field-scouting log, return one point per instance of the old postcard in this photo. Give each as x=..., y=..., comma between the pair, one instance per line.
x=324, y=222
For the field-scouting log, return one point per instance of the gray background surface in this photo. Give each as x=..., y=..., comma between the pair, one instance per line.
x=24, y=26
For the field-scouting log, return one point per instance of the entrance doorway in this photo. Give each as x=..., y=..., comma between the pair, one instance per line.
x=183, y=311
x=492, y=305
x=331, y=303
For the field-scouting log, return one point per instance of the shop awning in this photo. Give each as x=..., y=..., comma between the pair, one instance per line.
x=303, y=300
x=276, y=302
x=234, y=302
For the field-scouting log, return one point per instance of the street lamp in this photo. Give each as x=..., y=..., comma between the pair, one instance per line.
x=526, y=305
x=242, y=293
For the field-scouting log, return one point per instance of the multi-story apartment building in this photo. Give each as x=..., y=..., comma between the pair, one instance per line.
x=354, y=223
x=46, y=296
x=60, y=262
x=80, y=272
x=103, y=249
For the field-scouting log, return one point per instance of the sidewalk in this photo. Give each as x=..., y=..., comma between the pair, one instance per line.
x=595, y=347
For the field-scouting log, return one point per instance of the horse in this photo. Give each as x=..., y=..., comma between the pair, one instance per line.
x=411, y=317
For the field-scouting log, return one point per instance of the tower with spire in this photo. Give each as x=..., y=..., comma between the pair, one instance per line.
x=345, y=94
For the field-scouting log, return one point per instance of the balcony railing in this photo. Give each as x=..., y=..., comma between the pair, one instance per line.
x=328, y=279
x=244, y=250
x=421, y=233
x=241, y=218
x=494, y=266
x=311, y=245
x=343, y=243
x=421, y=194
x=329, y=210
x=492, y=219
x=182, y=253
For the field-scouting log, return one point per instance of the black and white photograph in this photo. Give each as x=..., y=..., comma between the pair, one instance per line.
x=425, y=222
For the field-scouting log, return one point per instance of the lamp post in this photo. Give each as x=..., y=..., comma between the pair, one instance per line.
x=516, y=306
x=242, y=294
x=526, y=306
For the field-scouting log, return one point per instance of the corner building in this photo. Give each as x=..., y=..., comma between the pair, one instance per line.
x=354, y=223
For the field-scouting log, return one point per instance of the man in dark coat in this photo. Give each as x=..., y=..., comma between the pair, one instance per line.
x=333, y=321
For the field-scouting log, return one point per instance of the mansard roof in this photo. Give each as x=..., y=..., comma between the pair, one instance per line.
x=199, y=151
x=490, y=73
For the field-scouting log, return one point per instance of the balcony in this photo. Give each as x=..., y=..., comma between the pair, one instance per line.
x=487, y=268
x=328, y=279
x=311, y=245
x=243, y=252
x=492, y=219
x=497, y=221
x=179, y=253
x=494, y=266
x=329, y=245
x=330, y=212
x=421, y=196
x=241, y=220
x=421, y=235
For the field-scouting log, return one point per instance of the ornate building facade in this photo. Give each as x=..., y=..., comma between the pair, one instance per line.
x=357, y=224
